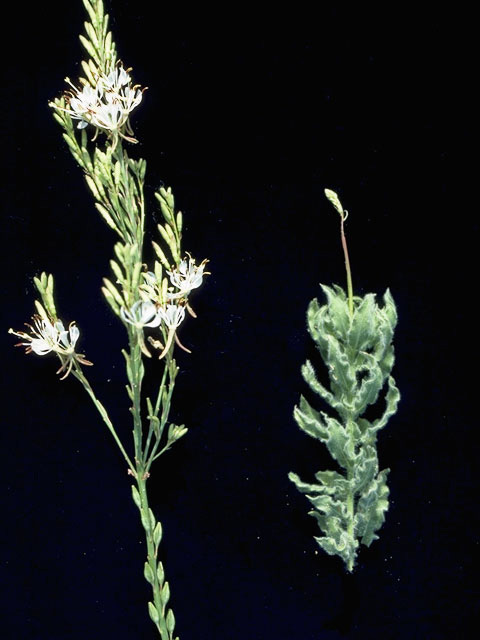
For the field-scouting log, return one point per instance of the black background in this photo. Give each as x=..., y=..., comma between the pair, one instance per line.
x=248, y=118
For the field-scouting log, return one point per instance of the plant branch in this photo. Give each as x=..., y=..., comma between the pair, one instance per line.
x=347, y=264
x=78, y=373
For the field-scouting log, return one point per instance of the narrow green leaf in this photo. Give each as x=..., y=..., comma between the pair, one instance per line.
x=119, y=250
x=117, y=271
x=111, y=301
x=106, y=215
x=163, y=232
x=90, y=10
x=90, y=31
x=88, y=72
x=154, y=615
x=41, y=311
x=94, y=70
x=170, y=621
x=160, y=573
x=157, y=534
x=100, y=11
x=166, y=211
x=165, y=594
x=93, y=187
x=112, y=289
x=59, y=119
x=148, y=573
x=72, y=143
x=39, y=284
x=136, y=496
x=87, y=45
x=168, y=196
x=137, y=269
x=152, y=519
x=144, y=517
x=149, y=407
x=161, y=256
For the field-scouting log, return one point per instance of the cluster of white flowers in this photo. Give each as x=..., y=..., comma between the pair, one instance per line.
x=47, y=336
x=108, y=105
x=145, y=313
x=155, y=310
x=186, y=277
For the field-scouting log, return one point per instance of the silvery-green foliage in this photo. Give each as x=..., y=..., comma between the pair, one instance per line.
x=358, y=352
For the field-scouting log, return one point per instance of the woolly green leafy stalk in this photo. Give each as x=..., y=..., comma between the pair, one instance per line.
x=151, y=302
x=354, y=338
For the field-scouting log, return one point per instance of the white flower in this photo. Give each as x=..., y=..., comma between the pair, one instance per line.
x=69, y=338
x=44, y=339
x=142, y=314
x=83, y=104
x=108, y=105
x=115, y=79
x=186, y=276
x=47, y=336
x=173, y=315
x=131, y=98
x=109, y=116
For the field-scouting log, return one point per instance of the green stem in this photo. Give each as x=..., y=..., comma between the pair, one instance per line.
x=153, y=455
x=136, y=382
x=347, y=265
x=350, y=499
x=156, y=409
x=351, y=513
x=78, y=373
x=152, y=560
x=156, y=455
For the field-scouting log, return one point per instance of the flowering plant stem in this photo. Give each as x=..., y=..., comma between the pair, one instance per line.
x=140, y=299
